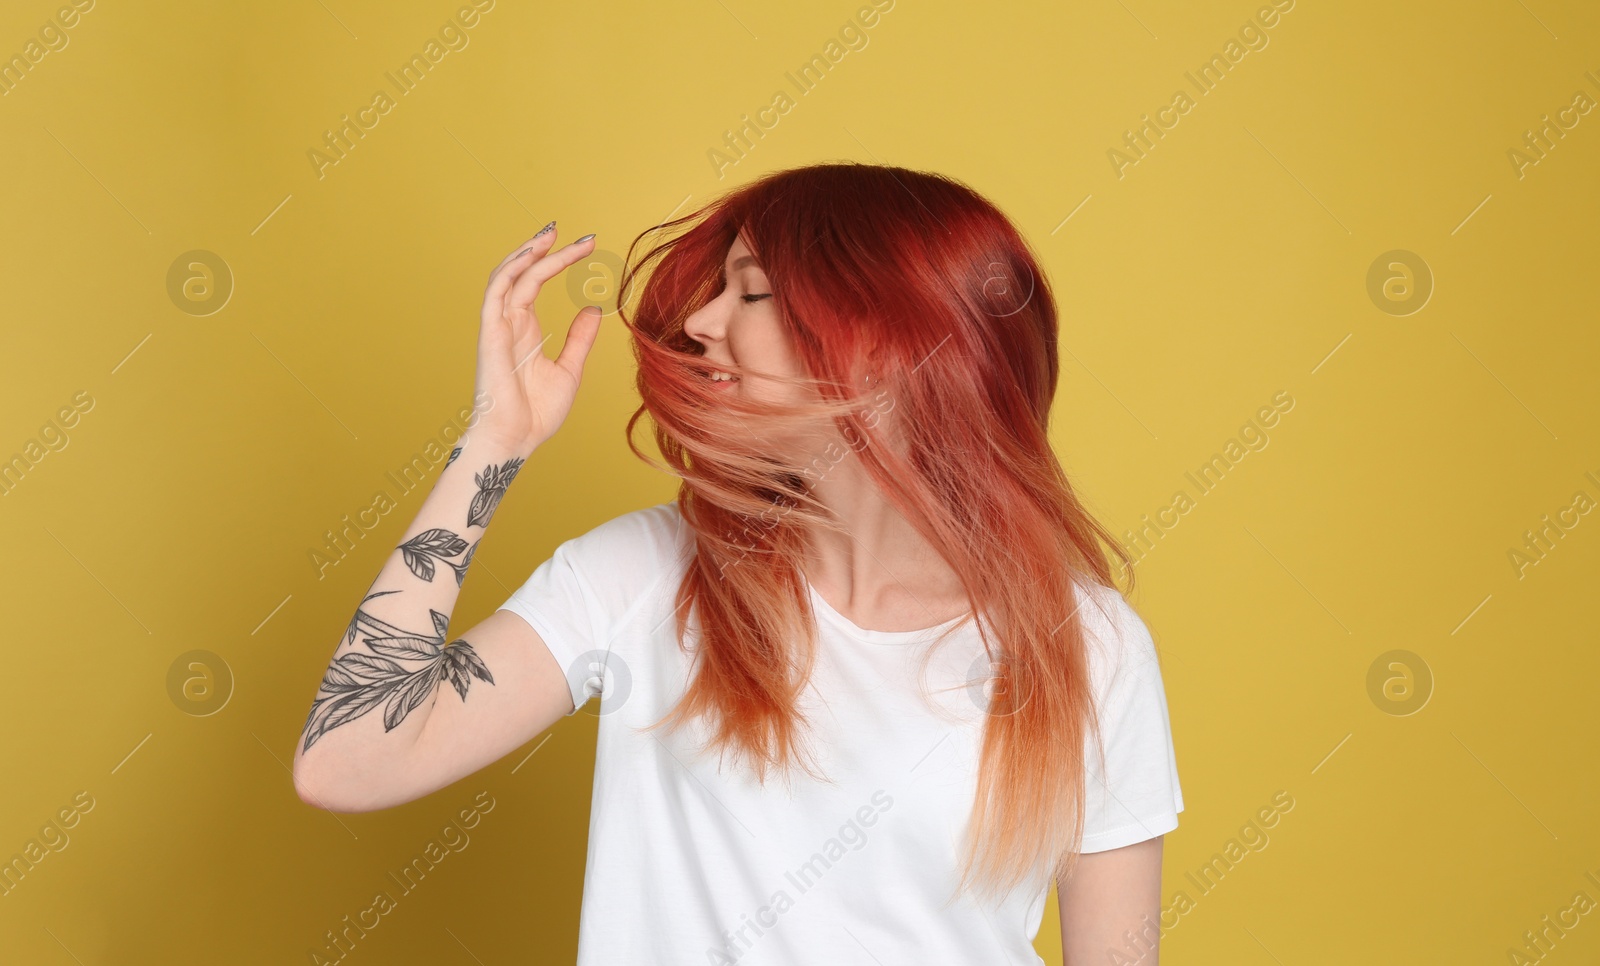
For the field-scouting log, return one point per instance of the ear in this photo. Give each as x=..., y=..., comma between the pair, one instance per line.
x=868, y=373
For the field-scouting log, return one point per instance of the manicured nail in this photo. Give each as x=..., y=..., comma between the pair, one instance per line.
x=582, y=240
x=546, y=228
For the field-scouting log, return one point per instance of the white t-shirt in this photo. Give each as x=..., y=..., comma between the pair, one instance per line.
x=692, y=863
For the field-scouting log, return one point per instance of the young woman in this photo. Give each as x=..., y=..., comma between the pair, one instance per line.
x=866, y=684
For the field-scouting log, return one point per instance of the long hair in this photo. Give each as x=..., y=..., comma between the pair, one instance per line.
x=928, y=335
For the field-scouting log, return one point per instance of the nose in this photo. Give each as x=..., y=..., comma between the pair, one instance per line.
x=708, y=324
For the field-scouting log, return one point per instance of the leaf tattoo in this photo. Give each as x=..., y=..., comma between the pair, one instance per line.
x=492, y=483
x=420, y=550
x=350, y=631
x=356, y=683
x=461, y=568
x=461, y=665
x=453, y=454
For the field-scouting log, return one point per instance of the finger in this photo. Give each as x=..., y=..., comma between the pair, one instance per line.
x=504, y=274
x=528, y=282
x=580, y=339
x=544, y=237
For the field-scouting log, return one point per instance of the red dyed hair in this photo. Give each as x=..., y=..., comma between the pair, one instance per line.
x=916, y=282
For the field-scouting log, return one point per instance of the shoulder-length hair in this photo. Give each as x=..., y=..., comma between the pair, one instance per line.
x=928, y=334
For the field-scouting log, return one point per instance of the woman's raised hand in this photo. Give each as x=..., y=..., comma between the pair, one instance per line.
x=528, y=394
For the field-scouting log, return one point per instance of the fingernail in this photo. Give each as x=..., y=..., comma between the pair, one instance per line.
x=583, y=239
x=546, y=228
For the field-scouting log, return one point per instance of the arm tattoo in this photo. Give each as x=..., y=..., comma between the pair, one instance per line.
x=461, y=568
x=453, y=454
x=350, y=631
x=492, y=483
x=420, y=550
x=356, y=683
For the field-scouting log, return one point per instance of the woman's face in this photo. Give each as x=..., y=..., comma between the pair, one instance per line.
x=741, y=327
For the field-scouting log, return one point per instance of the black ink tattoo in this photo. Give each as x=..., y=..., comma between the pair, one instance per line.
x=461, y=568
x=453, y=454
x=420, y=550
x=357, y=683
x=350, y=631
x=492, y=483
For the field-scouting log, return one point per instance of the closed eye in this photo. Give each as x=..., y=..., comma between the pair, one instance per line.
x=756, y=298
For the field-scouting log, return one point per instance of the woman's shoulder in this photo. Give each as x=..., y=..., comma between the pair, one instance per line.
x=650, y=538
x=627, y=556
x=661, y=522
x=1117, y=637
x=610, y=572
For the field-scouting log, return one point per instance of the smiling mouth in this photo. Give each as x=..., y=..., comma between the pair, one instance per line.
x=719, y=376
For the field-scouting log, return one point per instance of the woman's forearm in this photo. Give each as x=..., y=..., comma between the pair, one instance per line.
x=358, y=748
x=395, y=654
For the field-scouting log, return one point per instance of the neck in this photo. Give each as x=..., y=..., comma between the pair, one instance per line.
x=881, y=566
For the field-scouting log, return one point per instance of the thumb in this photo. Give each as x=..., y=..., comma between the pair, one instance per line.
x=580, y=339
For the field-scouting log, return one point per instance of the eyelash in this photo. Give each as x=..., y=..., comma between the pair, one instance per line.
x=755, y=298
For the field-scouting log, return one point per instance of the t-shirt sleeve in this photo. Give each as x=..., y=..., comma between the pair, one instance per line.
x=1137, y=795
x=584, y=592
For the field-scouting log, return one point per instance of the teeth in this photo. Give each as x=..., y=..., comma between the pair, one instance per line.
x=718, y=375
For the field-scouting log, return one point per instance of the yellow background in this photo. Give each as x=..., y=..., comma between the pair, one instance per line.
x=1228, y=265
